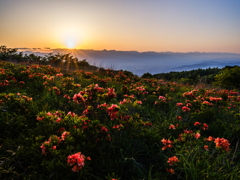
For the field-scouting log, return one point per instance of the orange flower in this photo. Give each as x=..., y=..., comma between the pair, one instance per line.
x=172, y=126
x=172, y=160
x=222, y=143
x=170, y=170
x=197, y=135
x=164, y=141
x=167, y=144
x=206, y=147
x=210, y=138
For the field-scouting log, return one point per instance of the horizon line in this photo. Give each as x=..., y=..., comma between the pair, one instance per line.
x=46, y=48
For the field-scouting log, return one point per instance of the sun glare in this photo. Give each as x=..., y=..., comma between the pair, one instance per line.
x=70, y=44
x=69, y=38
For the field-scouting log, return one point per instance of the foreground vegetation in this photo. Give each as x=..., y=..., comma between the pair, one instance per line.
x=57, y=124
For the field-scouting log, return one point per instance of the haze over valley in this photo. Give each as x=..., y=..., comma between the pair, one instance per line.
x=143, y=62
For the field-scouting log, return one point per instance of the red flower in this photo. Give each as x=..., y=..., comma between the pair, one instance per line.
x=170, y=170
x=179, y=104
x=197, y=124
x=77, y=160
x=205, y=126
x=179, y=118
x=64, y=135
x=104, y=129
x=185, y=109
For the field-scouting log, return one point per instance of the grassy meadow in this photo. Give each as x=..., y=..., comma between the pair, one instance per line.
x=106, y=125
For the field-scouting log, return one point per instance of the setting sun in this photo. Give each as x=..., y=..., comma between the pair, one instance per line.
x=70, y=44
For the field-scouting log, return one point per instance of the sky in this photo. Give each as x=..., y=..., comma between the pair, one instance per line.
x=125, y=25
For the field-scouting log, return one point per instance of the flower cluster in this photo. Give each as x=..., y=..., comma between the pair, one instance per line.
x=222, y=143
x=167, y=143
x=78, y=98
x=64, y=135
x=77, y=161
x=172, y=160
x=179, y=104
x=112, y=111
x=111, y=93
x=51, y=141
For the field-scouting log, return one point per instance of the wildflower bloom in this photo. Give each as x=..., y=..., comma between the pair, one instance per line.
x=189, y=105
x=206, y=147
x=205, y=126
x=112, y=111
x=179, y=104
x=58, y=120
x=64, y=135
x=49, y=114
x=162, y=98
x=208, y=103
x=43, y=149
x=71, y=114
x=139, y=102
x=78, y=98
x=197, y=124
x=54, y=138
x=77, y=161
x=170, y=170
x=111, y=93
x=197, y=135
x=222, y=143
x=59, y=75
x=172, y=126
x=66, y=96
x=179, y=118
x=167, y=143
x=185, y=109
x=187, y=131
x=40, y=118
x=104, y=129
x=172, y=160
x=122, y=102
x=210, y=138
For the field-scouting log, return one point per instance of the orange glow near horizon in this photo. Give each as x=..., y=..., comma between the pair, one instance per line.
x=204, y=26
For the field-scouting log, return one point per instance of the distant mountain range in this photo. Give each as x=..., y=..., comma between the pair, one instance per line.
x=143, y=62
x=207, y=64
